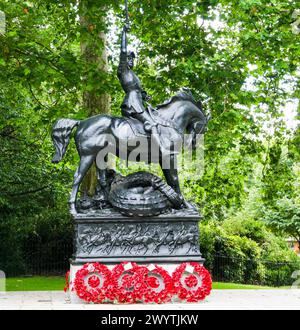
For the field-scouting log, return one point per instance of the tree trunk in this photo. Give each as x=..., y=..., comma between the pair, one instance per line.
x=95, y=98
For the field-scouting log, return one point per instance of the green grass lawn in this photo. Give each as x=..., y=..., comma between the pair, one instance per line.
x=38, y=283
x=234, y=286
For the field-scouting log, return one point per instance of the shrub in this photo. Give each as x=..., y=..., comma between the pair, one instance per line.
x=246, y=252
x=280, y=262
x=230, y=257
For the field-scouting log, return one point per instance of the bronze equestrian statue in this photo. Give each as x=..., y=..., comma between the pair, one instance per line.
x=107, y=134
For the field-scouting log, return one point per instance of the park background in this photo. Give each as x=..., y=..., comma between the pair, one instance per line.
x=241, y=58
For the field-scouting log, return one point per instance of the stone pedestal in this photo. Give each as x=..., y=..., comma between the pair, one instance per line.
x=110, y=238
x=164, y=239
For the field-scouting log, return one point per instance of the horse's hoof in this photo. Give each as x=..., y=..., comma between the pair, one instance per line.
x=188, y=205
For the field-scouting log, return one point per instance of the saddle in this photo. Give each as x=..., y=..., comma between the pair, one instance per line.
x=138, y=127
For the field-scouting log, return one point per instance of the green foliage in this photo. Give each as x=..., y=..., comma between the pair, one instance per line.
x=285, y=218
x=280, y=190
x=241, y=254
x=246, y=227
x=254, y=39
x=278, y=176
x=246, y=252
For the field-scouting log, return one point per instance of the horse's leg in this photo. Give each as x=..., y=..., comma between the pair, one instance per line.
x=112, y=246
x=176, y=245
x=123, y=248
x=173, y=248
x=102, y=179
x=191, y=245
x=147, y=248
x=85, y=164
x=171, y=175
x=132, y=246
x=172, y=179
x=74, y=191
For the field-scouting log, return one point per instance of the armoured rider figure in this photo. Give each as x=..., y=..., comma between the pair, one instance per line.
x=133, y=103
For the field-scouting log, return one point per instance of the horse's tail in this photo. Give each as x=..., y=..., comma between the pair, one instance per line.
x=61, y=133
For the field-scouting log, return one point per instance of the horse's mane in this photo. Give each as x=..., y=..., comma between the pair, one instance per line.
x=182, y=95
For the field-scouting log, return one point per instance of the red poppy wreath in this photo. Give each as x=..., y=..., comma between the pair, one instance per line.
x=192, y=282
x=128, y=285
x=92, y=282
x=159, y=285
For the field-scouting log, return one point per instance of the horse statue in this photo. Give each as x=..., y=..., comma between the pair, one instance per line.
x=104, y=134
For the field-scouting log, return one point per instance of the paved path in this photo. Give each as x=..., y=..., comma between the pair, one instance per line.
x=219, y=299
